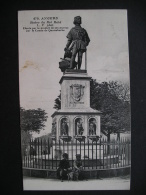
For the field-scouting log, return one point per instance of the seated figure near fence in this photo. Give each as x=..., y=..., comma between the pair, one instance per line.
x=63, y=168
x=77, y=168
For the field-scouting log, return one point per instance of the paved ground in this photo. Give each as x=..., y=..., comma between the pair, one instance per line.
x=115, y=183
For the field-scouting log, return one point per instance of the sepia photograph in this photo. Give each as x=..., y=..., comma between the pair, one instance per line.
x=75, y=105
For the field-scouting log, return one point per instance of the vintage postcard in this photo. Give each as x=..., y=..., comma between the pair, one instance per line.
x=74, y=99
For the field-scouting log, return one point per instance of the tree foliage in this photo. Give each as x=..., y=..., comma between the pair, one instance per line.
x=25, y=137
x=57, y=101
x=113, y=100
x=32, y=120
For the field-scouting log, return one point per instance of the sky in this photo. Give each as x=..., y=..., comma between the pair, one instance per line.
x=40, y=53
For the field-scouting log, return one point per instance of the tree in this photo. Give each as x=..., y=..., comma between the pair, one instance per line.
x=25, y=139
x=32, y=120
x=57, y=101
x=113, y=100
x=121, y=90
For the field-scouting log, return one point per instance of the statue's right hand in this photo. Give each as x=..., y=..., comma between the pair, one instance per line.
x=65, y=49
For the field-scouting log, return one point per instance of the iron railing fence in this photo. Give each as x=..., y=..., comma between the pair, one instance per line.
x=101, y=154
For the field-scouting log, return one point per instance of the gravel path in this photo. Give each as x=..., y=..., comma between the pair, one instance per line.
x=115, y=183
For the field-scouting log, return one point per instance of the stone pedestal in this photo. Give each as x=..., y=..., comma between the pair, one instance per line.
x=75, y=90
x=76, y=117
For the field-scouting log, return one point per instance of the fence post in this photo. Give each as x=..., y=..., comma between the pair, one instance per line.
x=52, y=155
x=96, y=153
x=110, y=146
x=76, y=146
x=55, y=154
x=59, y=150
x=48, y=153
x=122, y=152
x=118, y=151
x=45, y=151
x=30, y=154
x=84, y=153
x=92, y=153
x=107, y=153
x=100, y=153
x=23, y=154
x=26, y=157
x=41, y=154
x=115, y=151
x=80, y=147
x=128, y=152
x=38, y=154
x=117, y=156
x=103, y=153
x=72, y=151
x=88, y=153
x=125, y=150
x=33, y=152
x=105, y=148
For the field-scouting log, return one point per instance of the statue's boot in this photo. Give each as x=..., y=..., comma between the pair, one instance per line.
x=72, y=62
x=79, y=62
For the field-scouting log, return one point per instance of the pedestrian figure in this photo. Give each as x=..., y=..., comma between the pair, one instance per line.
x=63, y=168
x=77, y=168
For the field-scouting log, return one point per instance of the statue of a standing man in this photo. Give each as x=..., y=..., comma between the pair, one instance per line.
x=79, y=38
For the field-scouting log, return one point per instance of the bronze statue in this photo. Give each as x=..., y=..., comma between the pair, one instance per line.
x=78, y=40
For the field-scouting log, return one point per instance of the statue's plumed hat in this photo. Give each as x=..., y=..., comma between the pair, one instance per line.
x=77, y=20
